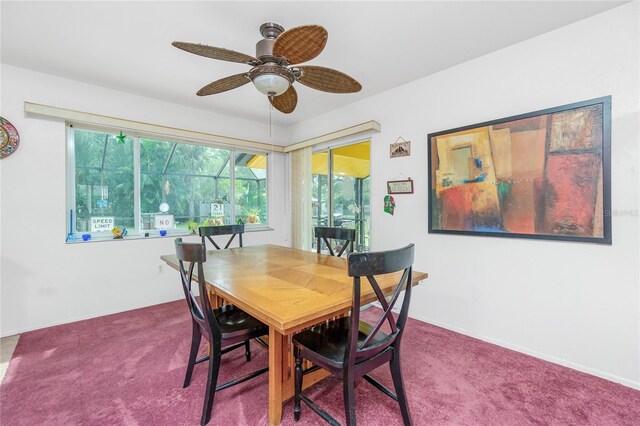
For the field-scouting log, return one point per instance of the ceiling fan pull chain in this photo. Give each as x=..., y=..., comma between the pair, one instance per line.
x=270, y=118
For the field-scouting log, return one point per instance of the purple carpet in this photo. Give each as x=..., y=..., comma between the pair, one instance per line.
x=128, y=368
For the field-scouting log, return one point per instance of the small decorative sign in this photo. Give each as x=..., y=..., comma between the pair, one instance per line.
x=400, y=149
x=217, y=209
x=101, y=223
x=164, y=221
x=400, y=186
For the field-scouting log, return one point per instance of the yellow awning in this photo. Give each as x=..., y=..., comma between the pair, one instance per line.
x=352, y=160
x=257, y=162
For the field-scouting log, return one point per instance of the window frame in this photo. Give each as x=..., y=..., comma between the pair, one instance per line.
x=138, y=232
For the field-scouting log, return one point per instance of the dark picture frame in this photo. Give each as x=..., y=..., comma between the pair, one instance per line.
x=400, y=149
x=400, y=186
x=543, y=175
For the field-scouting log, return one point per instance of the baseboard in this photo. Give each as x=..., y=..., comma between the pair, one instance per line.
x=5, y=333
x=536, y=354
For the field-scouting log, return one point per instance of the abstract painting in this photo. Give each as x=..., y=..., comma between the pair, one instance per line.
x=544, y=174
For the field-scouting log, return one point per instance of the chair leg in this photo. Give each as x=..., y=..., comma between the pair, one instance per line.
x=396, y=374
x=298, y=388
x=193, y=354
x=247, y=350
x=212, y=381
x=349, y=390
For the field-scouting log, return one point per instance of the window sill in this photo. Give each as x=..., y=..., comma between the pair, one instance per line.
x=152, y=235
x=155, y=235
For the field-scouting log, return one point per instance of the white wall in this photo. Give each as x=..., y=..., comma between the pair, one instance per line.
x=45, y=281
x=575, y=304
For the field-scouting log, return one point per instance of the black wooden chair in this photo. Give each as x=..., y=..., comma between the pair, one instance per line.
x=325, y=233
x=208, y=232
x=225, y=328
x=350, y=348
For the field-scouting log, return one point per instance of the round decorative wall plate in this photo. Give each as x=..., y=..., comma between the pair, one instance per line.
x=10, y=138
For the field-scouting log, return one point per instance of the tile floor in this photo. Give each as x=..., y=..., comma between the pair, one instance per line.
x=7, y=346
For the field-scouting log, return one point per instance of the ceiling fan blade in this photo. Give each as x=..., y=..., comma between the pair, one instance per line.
x=301, y=44
x=328, y=80
x=216, y=53
x=224, y=84
x=286, y=102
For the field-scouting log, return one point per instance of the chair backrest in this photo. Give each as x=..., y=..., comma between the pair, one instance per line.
x=196, y=254
x=369, y=265
x=324, y=233
x=208, y=232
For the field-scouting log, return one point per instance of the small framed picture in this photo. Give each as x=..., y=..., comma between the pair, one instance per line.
x=400, y=149
x=400, y=186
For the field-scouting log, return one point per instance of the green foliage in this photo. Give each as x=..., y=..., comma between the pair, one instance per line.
x=188, y=177
x=104, y=178
x=193, y=226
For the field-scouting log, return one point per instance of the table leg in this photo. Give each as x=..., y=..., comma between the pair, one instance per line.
x=276, y=341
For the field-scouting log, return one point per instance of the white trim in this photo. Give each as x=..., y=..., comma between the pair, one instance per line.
x=70, y=182
x=533, y=353
x=85, y=118
x=353, y=130
x=232, y=186
x=137, y=192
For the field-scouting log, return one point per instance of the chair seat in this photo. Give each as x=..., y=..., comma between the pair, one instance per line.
x=235, y=323
x=328, y=341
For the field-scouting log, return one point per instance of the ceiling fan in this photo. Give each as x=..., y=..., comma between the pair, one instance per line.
x=272, y=73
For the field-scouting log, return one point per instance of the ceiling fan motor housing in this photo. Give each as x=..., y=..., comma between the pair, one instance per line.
x=265, y=47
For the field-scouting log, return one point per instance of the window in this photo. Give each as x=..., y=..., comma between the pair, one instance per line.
x=132, y=181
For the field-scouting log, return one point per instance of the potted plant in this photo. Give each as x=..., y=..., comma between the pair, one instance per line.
x=193, y=226
x=214, y=221
x=254, y=216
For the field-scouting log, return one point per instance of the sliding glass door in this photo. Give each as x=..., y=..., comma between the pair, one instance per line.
x=341, y=190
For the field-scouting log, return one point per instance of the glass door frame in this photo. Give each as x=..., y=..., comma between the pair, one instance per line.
x=328, y=149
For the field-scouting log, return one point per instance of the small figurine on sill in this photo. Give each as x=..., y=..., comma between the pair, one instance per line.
x=119, y=232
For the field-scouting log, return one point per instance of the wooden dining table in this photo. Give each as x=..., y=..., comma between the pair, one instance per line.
x=288, y=290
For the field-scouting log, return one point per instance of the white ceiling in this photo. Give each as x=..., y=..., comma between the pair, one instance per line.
x=127, y=45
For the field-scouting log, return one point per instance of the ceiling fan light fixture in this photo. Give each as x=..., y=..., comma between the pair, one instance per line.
x=271, y=83
x=271, y=79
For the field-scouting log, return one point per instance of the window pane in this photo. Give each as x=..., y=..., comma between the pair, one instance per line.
x=251, y=188
x=104, y=179
x=351, y=190
x=196, y=159
x=186, y=177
